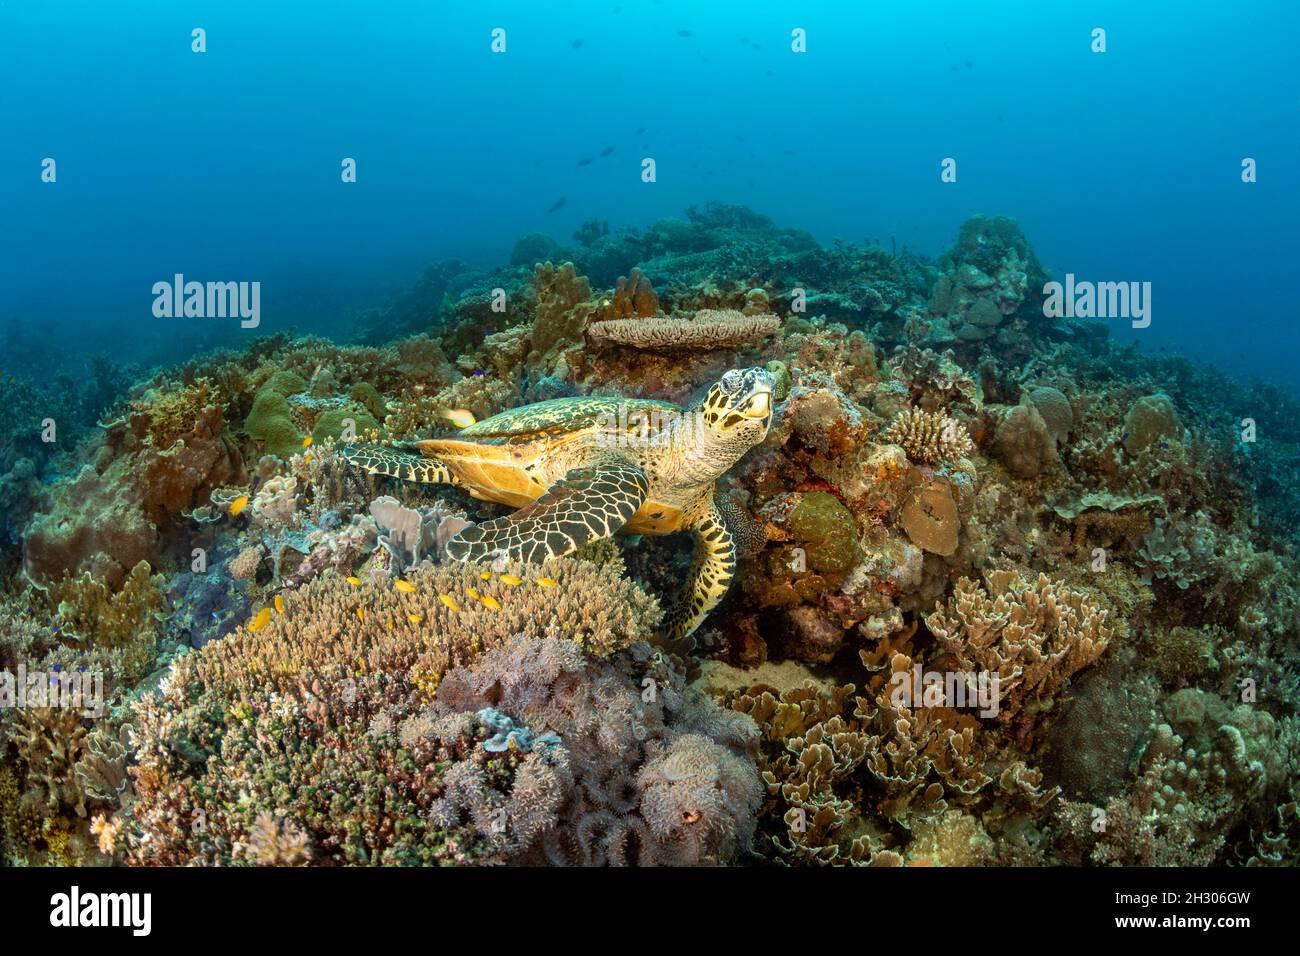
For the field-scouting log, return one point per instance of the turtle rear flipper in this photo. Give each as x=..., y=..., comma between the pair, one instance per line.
x=587, y=504
x=396, y=461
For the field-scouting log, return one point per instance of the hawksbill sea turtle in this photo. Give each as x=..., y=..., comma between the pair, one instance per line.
x=582, y=469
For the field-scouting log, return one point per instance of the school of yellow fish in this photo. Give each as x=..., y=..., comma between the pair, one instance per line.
x=263, y=617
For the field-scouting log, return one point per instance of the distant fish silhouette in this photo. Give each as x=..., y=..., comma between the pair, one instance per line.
x=559, y=203
x=683, y=33
x=576, y=44
x=607, y=151
x=639, y=131
x=970, y=65
x=585, y=161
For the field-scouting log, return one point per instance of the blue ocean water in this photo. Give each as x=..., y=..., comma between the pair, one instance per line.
x=225, y=165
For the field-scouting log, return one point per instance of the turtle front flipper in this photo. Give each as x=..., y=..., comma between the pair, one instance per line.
x=396, y=461
x=711, y=573
x=587, y=504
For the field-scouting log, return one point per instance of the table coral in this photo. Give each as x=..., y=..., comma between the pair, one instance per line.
x=709, y=329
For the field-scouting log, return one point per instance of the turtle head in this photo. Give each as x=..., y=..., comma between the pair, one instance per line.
x=737, y=411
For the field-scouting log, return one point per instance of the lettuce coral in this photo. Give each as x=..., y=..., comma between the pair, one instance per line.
x=1033, y=635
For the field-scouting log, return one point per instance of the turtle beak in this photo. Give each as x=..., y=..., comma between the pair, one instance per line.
x=759, y=404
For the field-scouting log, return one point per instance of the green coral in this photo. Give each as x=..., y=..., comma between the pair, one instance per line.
x=368, y=396
x=783, y=380
x=331, y=424
x=271, y=422
x=821, y=549
x=286, y=383
x=171, y=411
x=828, y=532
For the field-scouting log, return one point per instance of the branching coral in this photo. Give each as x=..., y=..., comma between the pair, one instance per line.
x=929, y=437
x=49, y=742
x=293, y=698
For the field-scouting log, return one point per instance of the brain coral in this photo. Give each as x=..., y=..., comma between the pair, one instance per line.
x=1024, y=443
x=1150, y=420
x=1055, y=409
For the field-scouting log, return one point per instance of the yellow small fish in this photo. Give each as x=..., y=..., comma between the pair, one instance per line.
x=390, y=623
x=511, y=580
x=485, y=575
x=445, y=599
x=406, y=587
x=361, y=614
x=472, y=593
x=415, y=618
x=460, y=417
x=306, y=442
x=259, y=622
x=238, y=505
x=308, y=459
x=279, y=603
x=355, y=582
x=491, y=602
x=548, y=582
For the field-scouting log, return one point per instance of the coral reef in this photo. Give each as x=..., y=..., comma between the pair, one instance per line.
x=955, y=487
